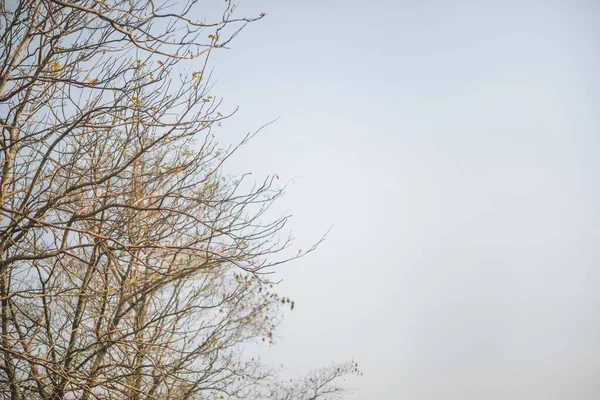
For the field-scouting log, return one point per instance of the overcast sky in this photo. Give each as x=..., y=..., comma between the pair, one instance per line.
x=454, y=147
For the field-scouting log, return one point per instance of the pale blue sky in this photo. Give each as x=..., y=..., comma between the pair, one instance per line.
x=455, y=147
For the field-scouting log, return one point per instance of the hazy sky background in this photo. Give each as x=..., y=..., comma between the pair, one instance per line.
x=455, y=147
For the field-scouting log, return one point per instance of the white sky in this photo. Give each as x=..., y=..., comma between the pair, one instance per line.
x=454, y=146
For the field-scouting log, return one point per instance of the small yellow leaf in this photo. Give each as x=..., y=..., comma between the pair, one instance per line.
x=90, y=80
x=160, y=63
x=55, y=65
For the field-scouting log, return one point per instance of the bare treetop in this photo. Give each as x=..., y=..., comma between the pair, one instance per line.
x=130, y=267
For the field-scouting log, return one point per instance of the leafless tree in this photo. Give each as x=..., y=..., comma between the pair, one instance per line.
x=130, y=266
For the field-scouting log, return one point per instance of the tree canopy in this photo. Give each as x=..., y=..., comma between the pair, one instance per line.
x=131, y=267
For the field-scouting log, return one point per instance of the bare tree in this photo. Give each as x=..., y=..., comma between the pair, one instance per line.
x=130, y=267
